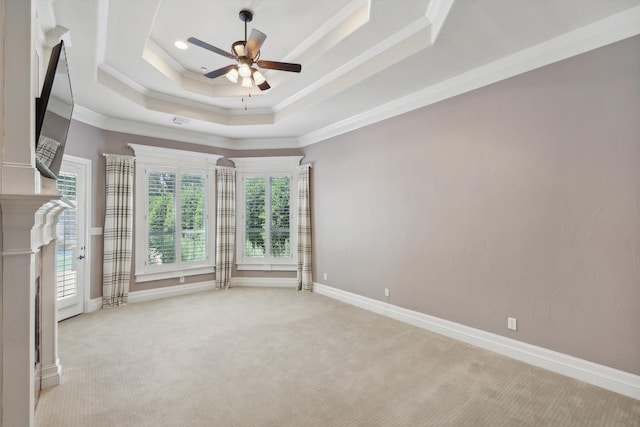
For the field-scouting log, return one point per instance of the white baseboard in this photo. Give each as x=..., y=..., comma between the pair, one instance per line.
x=51, y=375
x=602, y=376
x=170, y=291
x=93, y=305
x=265, y=282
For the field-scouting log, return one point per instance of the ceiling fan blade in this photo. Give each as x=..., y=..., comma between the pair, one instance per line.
x=256, y=38
x=213, y=49
x=264, y=86
x=220, y=71
x=282, y=66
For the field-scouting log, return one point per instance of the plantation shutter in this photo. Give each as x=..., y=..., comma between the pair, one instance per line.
x=280, y=207
x=67, y=239
x=193, y=242
x=161, y=217
x=255, y=220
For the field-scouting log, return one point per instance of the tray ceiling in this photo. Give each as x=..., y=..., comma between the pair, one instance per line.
x=362, y=60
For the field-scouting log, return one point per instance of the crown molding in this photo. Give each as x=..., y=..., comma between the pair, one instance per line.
x=415, y=36
x=436, y=14
x=601, y=33
x=341, y=25
x=100, y=121
x=153, y=154
x=266, y=164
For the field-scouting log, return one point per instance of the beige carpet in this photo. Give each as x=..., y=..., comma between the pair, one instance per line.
x=277, y=357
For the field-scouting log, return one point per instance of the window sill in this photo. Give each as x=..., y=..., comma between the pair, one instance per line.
x=160, y=275
x=267, y=267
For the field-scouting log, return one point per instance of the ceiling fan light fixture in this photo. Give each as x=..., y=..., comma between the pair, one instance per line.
x=238, y=48
x=232, y=75
x=246, y=53
x=244, y=70
x=258, y=77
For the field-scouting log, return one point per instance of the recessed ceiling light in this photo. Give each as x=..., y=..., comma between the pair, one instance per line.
x=180, y=45
x=203, y=69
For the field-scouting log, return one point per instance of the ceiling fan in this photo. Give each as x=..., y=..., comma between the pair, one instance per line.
x=247, y=54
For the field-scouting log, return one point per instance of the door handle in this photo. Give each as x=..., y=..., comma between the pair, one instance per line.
x=81, y=257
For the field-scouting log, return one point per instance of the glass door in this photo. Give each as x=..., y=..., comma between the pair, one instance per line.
x=71, y=243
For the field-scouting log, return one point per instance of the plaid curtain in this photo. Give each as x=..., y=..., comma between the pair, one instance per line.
x=225, y=225
x=305, y=281
x=118, y=230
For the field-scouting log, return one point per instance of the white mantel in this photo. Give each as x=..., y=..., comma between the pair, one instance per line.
x=28, y=236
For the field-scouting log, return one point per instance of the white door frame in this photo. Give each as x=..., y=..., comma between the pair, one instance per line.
x=85, y=165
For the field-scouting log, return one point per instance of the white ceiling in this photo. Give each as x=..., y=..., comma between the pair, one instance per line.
x=362, y=60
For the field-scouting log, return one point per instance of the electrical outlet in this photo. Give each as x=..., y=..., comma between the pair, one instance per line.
x=325, y=276
x=512, y=323
x=181, y=279
x=386, y=292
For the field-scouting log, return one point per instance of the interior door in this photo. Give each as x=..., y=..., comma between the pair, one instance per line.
x=72, y=251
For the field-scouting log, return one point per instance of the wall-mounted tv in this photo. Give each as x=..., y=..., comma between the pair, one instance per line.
x=53, y=114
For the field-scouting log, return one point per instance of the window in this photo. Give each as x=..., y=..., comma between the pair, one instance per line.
x=265, y=207
x=175, y=224
x=267, y=219
x=176, y=234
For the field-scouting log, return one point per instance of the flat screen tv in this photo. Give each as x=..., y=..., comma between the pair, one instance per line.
x=53, y=114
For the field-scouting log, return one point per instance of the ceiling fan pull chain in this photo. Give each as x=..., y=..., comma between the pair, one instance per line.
x=245, y=99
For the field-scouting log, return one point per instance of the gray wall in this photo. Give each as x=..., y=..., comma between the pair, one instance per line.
x=518, y=199
x=90, y=143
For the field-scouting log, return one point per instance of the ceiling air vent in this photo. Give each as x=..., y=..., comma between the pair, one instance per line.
x=180, y=120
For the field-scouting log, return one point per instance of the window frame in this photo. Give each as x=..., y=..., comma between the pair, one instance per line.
x=266, y=167
x=180, y=162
